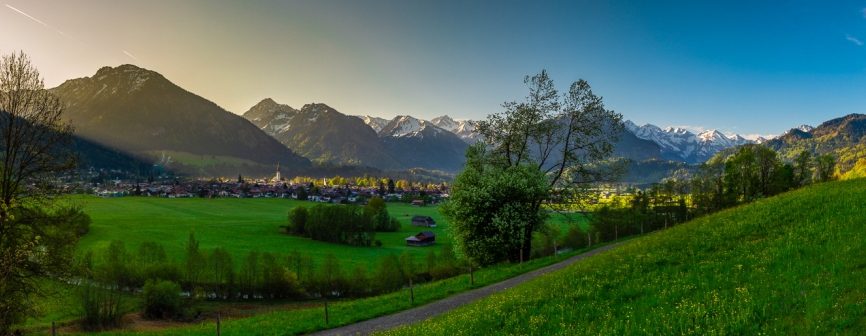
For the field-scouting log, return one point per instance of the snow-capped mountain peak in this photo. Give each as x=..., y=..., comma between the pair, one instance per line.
x=676, y=130
x=465, y=129
x=682, y=143
x=404, y=125
x=711, y=136
x=445, y=122
x=375, y=123
x=805, y=128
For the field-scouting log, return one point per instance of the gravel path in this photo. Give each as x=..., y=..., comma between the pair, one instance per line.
x=435, y=308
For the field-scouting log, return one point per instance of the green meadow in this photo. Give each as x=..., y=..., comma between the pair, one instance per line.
x=244, y=225
x=247, y=224
x=794, y=264
x=239, y=225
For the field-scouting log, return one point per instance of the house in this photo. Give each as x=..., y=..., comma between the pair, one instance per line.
x=425, y=221
x=425, y=238
x=418, y=203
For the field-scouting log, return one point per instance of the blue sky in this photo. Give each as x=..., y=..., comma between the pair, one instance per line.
x=749, y=67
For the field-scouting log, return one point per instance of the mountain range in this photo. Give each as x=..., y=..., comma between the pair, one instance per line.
x=140, y=112
x=127, y=116
x=680, y=144
x=321, y=133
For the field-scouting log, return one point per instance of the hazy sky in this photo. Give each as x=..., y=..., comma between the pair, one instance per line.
x=750, y=67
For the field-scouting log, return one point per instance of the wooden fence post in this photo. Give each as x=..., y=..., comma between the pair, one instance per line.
x=471, y=276
x=326, y=310
x=219, y=324
x=411, y=292
x=53, y=329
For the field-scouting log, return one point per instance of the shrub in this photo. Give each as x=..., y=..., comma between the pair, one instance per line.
x=298, y=220
x=277, y=281
x=388, y=276
x=161, y=299
x=162, y=271
x=377, y=212
x=446, y=264
x=100, y=308
x=339, y=224
x=574, y=238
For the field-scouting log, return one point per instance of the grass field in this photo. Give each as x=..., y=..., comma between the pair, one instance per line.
x=239, y=225
x=243, y=225
x=794, y=264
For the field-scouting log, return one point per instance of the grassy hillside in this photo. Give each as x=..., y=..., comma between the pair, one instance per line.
x=791, y=264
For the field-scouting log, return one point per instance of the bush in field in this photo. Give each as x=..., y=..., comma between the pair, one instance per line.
x=377, y=211
x=116, y=269
x=339, y=224
x=249, y=276
x=574, y=238
x=162, y=271
x=100, y=308
x=544, y=242
x=613, y=224
x=388, y=277
x=298, y=220
x=150, y=253
x=330, y=280
x=358, y=283
x=196, y=265
x=277, y=281
x=221, y=272
x=161, y=299
x=446, y=265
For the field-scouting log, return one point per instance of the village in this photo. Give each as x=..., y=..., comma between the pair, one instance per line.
x=338, y=190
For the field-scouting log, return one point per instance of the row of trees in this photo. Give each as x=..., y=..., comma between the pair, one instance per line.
x=217, y=275
x=741, y=176
x=344, y=224
x=385, y=185
x=752, y=172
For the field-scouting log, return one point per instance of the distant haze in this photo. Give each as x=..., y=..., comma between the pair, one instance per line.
x=745, y=67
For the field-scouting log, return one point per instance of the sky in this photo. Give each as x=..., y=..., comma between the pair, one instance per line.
x=750, y=67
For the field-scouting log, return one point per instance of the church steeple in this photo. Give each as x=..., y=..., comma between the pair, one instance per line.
x=278, y=177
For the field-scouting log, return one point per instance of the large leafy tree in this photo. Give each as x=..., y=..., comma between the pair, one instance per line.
x=492, y=207
x=544, y=149
x=34, y=146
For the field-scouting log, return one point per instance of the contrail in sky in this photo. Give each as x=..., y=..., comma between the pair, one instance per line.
x=36, y=20
x=46, y=25
x=27, y=15
x=129, y=54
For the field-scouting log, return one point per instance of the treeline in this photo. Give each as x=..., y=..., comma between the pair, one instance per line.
x=388, y=185
x=216, y=275
x=748, y=173
x=344, y=224
x=752, y=172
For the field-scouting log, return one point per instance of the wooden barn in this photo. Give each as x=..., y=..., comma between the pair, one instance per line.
x=425, y=221
x=425, y=238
